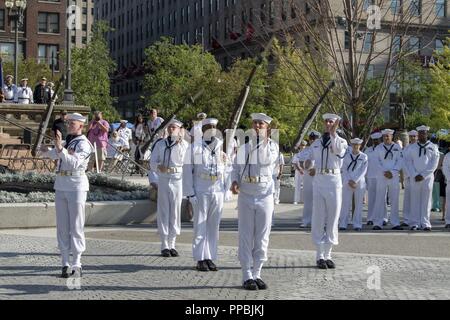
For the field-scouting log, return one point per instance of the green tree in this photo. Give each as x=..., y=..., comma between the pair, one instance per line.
x=28, y=68
x=91, y=67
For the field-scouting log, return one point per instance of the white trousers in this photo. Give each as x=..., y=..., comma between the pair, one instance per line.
x=421, y=194
x=207, y=214
x=308, y=199
x=447, y=203
x=347, y=196
x=298, y=196
x=407, y=200
x=169, y=211
x=276, y=195
x=372, y=194
x=392, y=186
x=327, y=201
x=70, y=217
x=254, y=224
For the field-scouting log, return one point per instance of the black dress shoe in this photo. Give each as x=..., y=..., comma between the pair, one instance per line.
x=65, y=272
x=261, y=284
x=165, y=253
x=370, y=223
x=174, y=253
x=77, y=272
x=414, y=228
x=321, y=264
x=377, y=228
x=357, y=229
x=330, y=264
x=211, y=265
x=397, y=228
x=202, y=266
x=384, y=223
x=427, y=229
x=404, y=225
x=250, y=284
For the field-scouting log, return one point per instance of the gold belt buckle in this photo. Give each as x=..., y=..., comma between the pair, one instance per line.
x=253, y=179
x=327, y=171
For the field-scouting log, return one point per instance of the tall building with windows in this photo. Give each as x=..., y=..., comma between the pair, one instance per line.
x=229, y=29
x=82, y=34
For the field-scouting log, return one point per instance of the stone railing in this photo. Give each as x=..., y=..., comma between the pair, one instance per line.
x=30, y=115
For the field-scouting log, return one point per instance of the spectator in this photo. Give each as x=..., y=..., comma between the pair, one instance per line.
x=154, y=122
x=40, y=94
x=125, y=133
x=98, y=136
x=140, y=134
x=60, y=124
x=115, y=148
x=9, y=90
x=24, y=93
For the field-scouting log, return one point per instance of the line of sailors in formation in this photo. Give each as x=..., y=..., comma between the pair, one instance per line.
x=377, y=170
x=23, y=94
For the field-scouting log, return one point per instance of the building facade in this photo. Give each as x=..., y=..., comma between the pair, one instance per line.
x=229, y=29
x=82, y=32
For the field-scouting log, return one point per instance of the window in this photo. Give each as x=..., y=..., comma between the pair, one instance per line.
x=414, y=44
x=47, y=54
x=7, y=50
x=367, y=42
x=396, y=44
x=396, y=7
x=415, y=7
x=48, y=22
x=439, y=45
x=2, y=19
x=370, y=74
x=440, y=8
x=367, y=3
x=347, y=41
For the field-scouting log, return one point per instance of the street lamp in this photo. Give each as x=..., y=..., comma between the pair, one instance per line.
x=16, y=10
x=68, y=93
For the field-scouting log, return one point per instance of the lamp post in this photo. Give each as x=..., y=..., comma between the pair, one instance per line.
x=68, y=92
x=16, y=9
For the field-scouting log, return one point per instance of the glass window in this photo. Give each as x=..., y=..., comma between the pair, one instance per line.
x=48, y=22
x=414, y=44
x=367, y=42
x=2, y=19
x=440, y=8
x=415, y=7
x=396, y=7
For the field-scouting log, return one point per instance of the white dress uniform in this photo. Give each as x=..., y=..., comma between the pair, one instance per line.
x=24, y=95
x=446, y=172
x=253, y=170
x=10, y=93
x=354, y=168
x=113, y=146
x=205, y=183
x=277, y=181
x=166, y=162
x=390, y=158
x=307, y=187
x=421, y=160
x=327, y=192
x=298, y=180
x=71, y=187
x=407, y=184
x=126, y=134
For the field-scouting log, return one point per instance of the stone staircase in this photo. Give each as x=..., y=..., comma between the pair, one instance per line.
x=5, y=138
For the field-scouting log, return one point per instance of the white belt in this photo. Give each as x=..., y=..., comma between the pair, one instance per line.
x=164, y=169
x=330, y=171
x=71, y=173
x=260, y=179
x=209, y=177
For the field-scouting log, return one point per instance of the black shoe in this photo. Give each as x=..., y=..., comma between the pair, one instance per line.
x=370, y=223
x=404, y=225
x=384, y=223
x=321, y=264
x=77, y=272
x=250, y=284
x=330, y=264
x=261, y=284
x=202, y=266
x=426, y=229
x=397, y=228
x=357, y=229
x=342, y=229
x=414, y=228
x=211, y=265
x=165, y=253
x=65, y=273
x=377, y=228
x=447, y=226
x=174, y=253
x=433, y=210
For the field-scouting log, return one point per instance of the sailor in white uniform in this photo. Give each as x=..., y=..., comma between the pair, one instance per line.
x=354, y=170
x=299, y=173
x=371, y=177
x=446, y=172
x=166, y=164
x=9, y=90
x=204, y=184
x=390, y=162
x=252, y=178
x=71, y=187
x=407, y=181
x=327, y=154
x=24, y=93
x=421, y=161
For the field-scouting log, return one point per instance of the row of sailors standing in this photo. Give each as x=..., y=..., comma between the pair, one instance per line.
x=23, y=94
x=377, y=170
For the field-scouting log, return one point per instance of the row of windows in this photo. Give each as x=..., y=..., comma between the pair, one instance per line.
x=47, y=53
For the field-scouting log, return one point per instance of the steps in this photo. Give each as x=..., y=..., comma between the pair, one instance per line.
x=5, y=138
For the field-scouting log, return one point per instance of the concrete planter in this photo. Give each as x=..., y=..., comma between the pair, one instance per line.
x=36, y=215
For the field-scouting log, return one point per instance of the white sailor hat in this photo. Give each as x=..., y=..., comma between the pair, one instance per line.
x=76, y=117
x=376, y=135
x=261, y=116
x=356, y=141
x=331, y=116
x=423, y=128
x=314, y=134
x=175, y=122
x=201, y=115
x=387, y=131
x=9, y=76
x=412, y=133
x=123, y=121
x=23, y=79
x=212, y=121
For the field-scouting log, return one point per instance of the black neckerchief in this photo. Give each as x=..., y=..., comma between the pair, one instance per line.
x=169, y=145
x=388, y=151
x=325, y=141
x=353, y=162
x=423, y=147
x=211, y=145
x=69, y=139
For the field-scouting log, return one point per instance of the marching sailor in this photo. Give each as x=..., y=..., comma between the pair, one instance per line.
x=252, y=179
x=204, y=184
x=166, y=162
x=406, y=178
x=354, y=170
x=390, y=161
x=71, y=187
x=421, y=162
x=327, y=154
